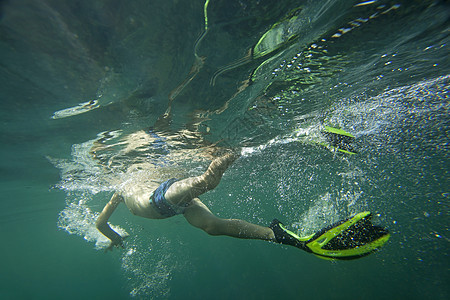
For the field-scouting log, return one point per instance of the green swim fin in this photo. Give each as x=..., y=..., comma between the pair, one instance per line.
x=347, y=239
x=339, y=139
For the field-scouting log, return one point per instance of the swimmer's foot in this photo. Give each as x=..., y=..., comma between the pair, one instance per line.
x=222, y=152
x=284, y=236
x=217, y=167
x=226, y=158
x=223, y=162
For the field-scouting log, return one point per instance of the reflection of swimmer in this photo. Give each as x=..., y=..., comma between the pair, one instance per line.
x=347, y=239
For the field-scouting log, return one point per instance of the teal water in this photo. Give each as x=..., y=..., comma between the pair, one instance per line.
x=84, y=74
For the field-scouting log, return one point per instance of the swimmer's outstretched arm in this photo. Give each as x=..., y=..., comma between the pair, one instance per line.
x=102, y=221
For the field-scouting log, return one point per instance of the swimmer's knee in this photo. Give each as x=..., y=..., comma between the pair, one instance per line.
x=213, y=231
x=212, y=228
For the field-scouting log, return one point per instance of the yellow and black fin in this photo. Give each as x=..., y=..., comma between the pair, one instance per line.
x=347, y=239
x=339, y=139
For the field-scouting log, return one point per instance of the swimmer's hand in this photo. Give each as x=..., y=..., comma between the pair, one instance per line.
x=116, y=243
x=116, y=239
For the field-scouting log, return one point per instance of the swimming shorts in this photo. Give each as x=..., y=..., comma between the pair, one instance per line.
x=161, y=205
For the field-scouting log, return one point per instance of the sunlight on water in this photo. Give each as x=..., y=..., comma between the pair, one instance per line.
x=76, y=110
x=82, y=172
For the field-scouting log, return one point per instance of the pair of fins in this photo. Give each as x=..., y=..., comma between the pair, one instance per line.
x=347, y=239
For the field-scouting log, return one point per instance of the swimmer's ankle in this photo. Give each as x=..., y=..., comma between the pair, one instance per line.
x=228, y=158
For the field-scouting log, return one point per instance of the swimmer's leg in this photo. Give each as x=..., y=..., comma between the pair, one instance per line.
x=198, y=215
x=183, y=191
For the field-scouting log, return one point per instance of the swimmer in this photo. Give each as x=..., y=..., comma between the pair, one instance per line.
x=175, y=197
x=347, y=239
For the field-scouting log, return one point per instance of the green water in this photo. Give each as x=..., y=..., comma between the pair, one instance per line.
x=75, y=73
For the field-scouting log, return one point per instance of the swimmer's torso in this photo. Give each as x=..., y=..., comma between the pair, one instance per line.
x=136, y=194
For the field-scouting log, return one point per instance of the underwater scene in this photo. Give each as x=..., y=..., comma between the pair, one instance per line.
x=338, y=111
